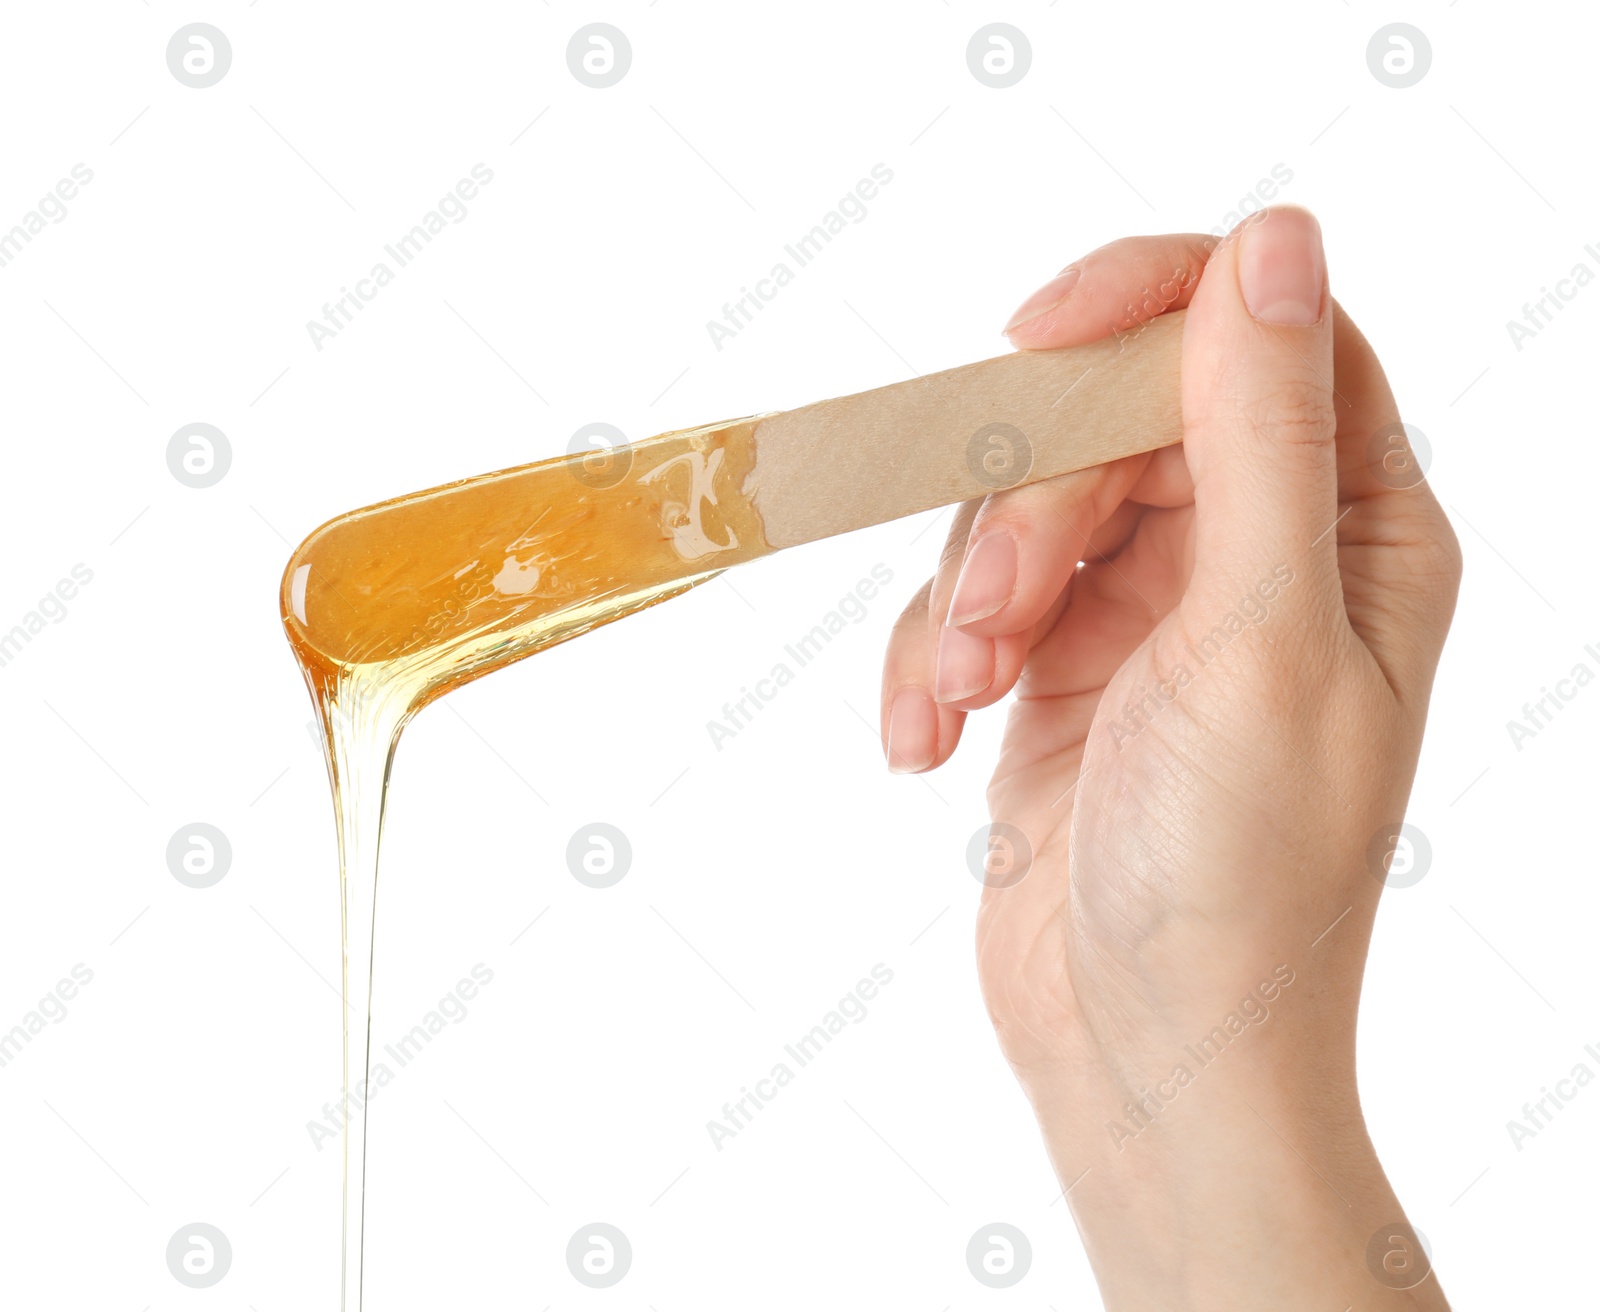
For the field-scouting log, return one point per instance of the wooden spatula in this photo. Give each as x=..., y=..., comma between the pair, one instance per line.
x=463, y=578
x=866, y=459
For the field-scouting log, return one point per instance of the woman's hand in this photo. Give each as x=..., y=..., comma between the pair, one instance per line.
x=1217, y=720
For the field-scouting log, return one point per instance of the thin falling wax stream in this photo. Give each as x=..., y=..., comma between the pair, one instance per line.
x=390, y=607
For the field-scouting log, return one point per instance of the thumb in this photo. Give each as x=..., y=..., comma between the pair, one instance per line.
x=1258, y=417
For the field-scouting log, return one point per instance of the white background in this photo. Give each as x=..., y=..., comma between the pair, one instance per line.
x=177, y=289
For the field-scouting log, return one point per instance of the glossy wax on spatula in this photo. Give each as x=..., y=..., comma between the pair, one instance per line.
x=461, y=579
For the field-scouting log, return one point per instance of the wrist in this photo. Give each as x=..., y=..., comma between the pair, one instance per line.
x=1238, y=1192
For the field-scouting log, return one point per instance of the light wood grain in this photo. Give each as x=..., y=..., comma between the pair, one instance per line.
x=865, y=459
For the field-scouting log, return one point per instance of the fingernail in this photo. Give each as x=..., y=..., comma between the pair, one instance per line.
x=988, y=578
x=1046, y=298
x=964, y=667
x=913, y=731
x=1281, y=267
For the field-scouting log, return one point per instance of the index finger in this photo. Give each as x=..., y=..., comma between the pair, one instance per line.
x=1114, y=289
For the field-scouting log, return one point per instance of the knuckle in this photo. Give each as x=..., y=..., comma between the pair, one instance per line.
x=914, y=616
x=1441, y=556
x=1294, y=410
x=1435, y=560
x=1447, y=547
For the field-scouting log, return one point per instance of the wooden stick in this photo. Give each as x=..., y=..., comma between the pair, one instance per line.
x=865, y=459
x=505, y=563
